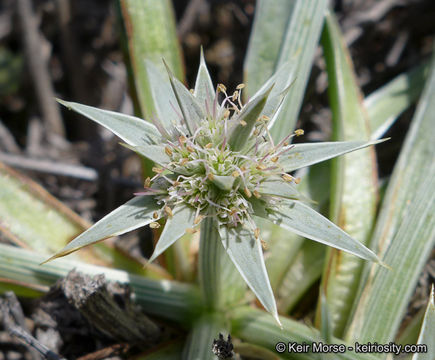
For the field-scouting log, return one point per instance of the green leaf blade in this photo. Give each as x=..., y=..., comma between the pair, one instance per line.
x=427, y=331
x=404, y=233
x=284, y=31
x=353, y=178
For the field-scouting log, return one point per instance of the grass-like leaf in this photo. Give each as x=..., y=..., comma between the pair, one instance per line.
x=302, y=155
x=386, y=103
x=354, y=178
x=427, y=331
x=404, y=233
x=200, y=340
x=175, y=227
x=304, y=221
x=257, y=327
x=132, y=130
x=245, y=252
x=133, y=214
x=284, y=31
x=305, y=269
x=151, y=35
x=169, y=299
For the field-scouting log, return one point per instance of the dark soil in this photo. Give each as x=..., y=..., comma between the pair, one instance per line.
x=86, y=65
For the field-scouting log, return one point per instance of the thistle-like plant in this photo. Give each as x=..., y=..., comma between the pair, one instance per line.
x=217, y=170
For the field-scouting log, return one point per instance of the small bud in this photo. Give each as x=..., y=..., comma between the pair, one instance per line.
x=210, y=176
x=192, y=91
x=257, y=194
x=227, y=113
x=176, y=183
x=243, y=123
x=154, y=225
x=297, y=180
x=299, y=132
x=190, y=148
x=274, y=159
x=208, y=146
x=248, y=192
x=256, y=132
x=168, y=211
x=240, y=86
x=182, y=139
x=260, y=167
x=265, y=118
x=287, y=177
x=168, y=151
x=184, y=161
x=235, y=174
x=157, y=170
x=243, y=168
x=257, y=233
x=147, y=182
x=235, y=95
x=155, y=215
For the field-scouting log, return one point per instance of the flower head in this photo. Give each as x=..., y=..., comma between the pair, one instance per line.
x=216, y=161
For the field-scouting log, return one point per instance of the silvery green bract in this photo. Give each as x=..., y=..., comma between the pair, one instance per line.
x=216, y=160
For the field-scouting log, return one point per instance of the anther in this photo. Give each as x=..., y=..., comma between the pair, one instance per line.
x=248, y=192
x=221, y=88
x=274, y=159
x=235, y=174
x=210, y=176
x=168, y=211
x=190, y=148
x=157, y=170
x=168, y=151
x=287, y=177
x=257, y=233
x=182, y=139
x=243, y=123
x=154, y=225
x=155, y=215
x=297, y=180
x=240, y=86
x=257, y=194
x=299, y=132
x=147, y=182
x=208, y=146
x=235, y=95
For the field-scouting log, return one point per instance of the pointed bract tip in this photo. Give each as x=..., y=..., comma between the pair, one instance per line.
x=384, y=265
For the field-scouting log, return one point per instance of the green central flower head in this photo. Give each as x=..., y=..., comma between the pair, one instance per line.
x=218, y=169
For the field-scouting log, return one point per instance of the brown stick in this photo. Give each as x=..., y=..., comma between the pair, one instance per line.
x=38, y=68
